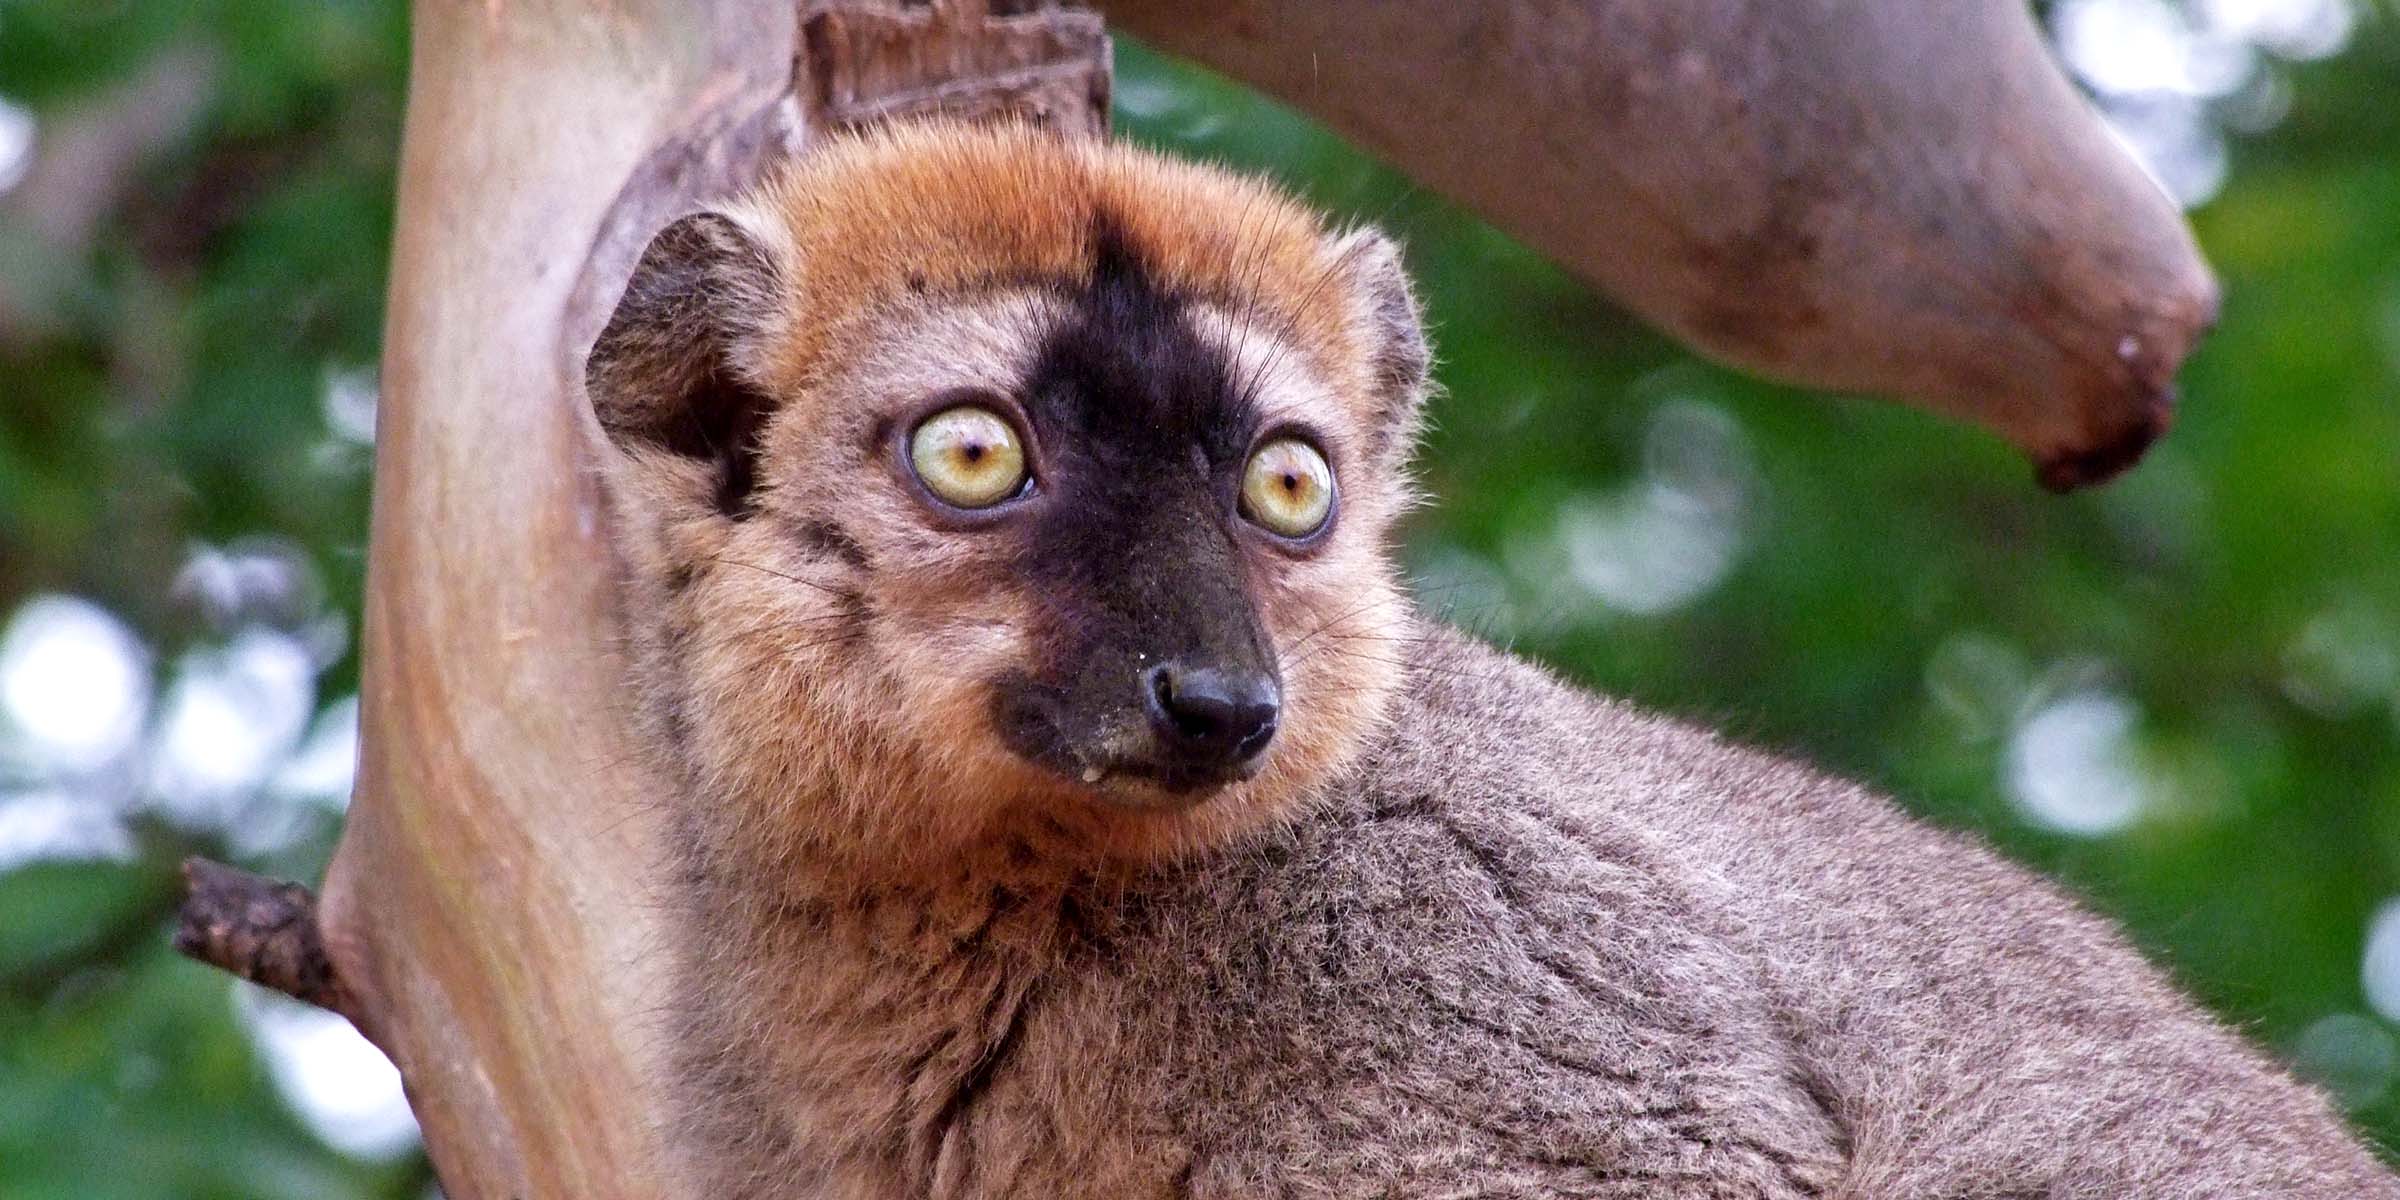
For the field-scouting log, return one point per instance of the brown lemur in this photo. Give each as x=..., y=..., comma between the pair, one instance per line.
x=1073, y=804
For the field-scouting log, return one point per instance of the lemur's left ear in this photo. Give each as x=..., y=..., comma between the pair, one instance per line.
x=674, y=369
x=1384, y=305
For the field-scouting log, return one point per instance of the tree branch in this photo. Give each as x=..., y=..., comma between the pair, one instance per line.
x=264, y=931
x=1886, y=196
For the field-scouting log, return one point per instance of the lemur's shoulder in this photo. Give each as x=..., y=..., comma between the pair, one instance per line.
x=1483, y=725
x=1555, y=782
x=1468, y=911
x=1480, y=726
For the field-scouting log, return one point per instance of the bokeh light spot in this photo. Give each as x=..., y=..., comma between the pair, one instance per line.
x=2379, y=971
x=2073, y=765
x=74, y=685
x=338, y=1083
x=2352, y=1057
x=19, y=135
x=230, y=718
x=1674, y=534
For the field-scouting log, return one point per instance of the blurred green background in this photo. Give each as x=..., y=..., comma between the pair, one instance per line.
x=2181, y=694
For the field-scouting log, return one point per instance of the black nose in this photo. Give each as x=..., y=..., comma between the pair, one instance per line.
x=1207, y=717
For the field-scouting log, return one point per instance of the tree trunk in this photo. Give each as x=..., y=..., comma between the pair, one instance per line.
x=491, y=916
x=487, y=903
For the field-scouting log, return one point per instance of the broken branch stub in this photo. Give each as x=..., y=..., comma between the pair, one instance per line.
x=1889, y=196
x=261, y=930
x=1039, y=63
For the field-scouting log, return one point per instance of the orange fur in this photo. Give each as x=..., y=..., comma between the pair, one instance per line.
x=880, y=220
x=911, y=260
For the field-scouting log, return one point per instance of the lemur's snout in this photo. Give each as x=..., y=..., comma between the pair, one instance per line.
x=1211, y=718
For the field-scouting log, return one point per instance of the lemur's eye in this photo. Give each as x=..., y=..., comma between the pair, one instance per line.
x=968, y=456
x=1288, y=488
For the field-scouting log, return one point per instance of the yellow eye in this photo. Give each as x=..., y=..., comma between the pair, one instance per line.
x=1288, y=488
x=968, y=456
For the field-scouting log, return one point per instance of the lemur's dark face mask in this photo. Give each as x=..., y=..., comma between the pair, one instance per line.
x=1140, y=482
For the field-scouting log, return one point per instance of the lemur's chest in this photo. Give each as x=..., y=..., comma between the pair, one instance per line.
x=1307, y=1021
x=960, y=1044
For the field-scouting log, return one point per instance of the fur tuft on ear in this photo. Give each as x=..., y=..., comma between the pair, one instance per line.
x=669, y=373
x=1392, y=328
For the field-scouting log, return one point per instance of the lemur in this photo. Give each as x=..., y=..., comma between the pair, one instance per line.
x=1073, y=804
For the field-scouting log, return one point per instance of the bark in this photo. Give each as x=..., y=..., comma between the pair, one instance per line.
x=487, y=905
x=1800, y=196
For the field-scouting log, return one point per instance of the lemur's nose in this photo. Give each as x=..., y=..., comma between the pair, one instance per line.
x=1208, y=717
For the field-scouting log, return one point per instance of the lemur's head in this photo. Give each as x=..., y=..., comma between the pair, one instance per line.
x=989, y=487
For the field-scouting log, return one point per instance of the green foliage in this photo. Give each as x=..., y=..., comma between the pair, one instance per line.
x=2198, y=667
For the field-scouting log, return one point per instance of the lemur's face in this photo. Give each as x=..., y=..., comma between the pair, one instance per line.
x=1013, y=489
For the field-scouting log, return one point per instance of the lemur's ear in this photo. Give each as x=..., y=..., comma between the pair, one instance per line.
x=1385, y=307
x=672, y=371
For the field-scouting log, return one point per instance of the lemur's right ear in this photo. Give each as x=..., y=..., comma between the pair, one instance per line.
x=672, y=371
x=1385, y=308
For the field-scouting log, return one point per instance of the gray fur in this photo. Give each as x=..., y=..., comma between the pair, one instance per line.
x=1539, y=945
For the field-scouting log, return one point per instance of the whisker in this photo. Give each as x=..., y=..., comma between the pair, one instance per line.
x=1308, y=299
x=1253, y=271
x=1340, y=617
x=807, y=583
x=769, y=629
x=1418, y=665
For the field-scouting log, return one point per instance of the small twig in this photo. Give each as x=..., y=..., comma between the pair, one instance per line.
x=264, y=931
